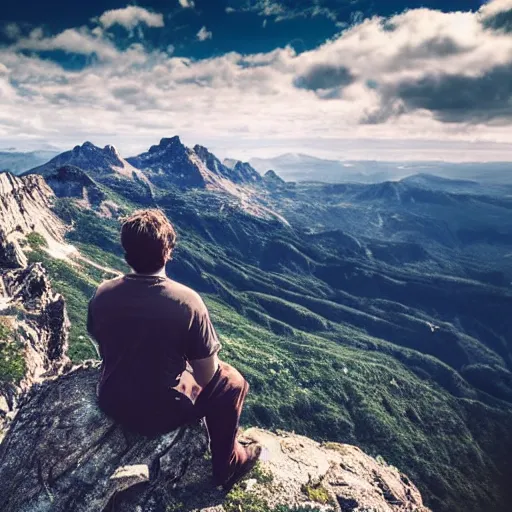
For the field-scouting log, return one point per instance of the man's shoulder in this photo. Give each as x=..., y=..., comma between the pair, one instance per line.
x=109, y=284
x=184, y=294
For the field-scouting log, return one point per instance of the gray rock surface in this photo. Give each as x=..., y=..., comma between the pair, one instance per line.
x=70, y=181
x=25, y=206
x=39, y=324
x=61, y=454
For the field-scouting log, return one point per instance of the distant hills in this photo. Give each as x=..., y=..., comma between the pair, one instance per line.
x=16, y=162
x=299, y=167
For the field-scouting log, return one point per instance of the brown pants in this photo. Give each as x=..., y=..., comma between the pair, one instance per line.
x=220, y=403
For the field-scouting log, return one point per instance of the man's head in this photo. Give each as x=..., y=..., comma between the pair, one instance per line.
x=148, y=240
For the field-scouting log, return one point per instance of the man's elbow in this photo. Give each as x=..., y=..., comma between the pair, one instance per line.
x=205, y=369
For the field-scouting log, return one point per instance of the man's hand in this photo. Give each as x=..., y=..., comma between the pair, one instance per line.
x=204, y=369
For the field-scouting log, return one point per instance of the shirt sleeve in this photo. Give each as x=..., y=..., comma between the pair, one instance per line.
x=202, y=339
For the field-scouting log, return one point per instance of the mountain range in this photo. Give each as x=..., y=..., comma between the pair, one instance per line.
x=369, y=313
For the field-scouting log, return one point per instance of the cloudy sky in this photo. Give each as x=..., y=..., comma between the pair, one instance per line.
x=355, y=79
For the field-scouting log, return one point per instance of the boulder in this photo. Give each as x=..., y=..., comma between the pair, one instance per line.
x=62, y=453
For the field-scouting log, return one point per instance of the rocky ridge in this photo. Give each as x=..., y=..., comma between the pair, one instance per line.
x=33, y=319
x=33, y=335
x=25, y=207
x=90, y=158
x=172, y=163
x=71, y=181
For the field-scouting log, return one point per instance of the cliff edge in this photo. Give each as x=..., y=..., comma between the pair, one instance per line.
x=61, y=453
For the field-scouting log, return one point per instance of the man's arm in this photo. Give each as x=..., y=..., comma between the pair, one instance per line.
x=202, y=345
x=204, y=369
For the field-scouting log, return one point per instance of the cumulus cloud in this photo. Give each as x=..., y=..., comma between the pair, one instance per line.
x=459, y=98
x=494, y=7
x=129, y=17
x=420, y=74
x=187, y=4
x=324, y=76
x=497, y=15
x=79, y=41
x=204, y=34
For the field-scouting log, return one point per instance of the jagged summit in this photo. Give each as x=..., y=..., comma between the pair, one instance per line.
x=25, y=206
x=90, y=158
x=247, y=172
x=168, y=142
x=273, y=180
x=240, y=173
x=172, y=163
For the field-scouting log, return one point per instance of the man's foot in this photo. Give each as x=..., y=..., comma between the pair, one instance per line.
x=253, y=452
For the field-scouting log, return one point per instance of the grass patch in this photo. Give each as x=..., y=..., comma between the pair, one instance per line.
x=12, y=362
x=317, y=493
x=261, y=475
x=36, y=240
x=239, y=500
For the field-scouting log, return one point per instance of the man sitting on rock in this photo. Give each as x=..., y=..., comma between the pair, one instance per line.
x=148, y=327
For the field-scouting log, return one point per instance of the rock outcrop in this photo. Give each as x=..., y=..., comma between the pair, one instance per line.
x=25, y=207
x=101, y=166
x=73, y=182
x=171, y=163
x=35, y=326
x=272, y=180
x=90, y=158
x=61, y=453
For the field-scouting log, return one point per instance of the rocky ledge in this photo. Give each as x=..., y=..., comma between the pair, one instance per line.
x=61, y=453
x=33, y=335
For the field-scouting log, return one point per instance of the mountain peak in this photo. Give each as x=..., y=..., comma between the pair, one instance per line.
x=167, y=142
x=89, y=158
x=112, y=150
x=201, y=150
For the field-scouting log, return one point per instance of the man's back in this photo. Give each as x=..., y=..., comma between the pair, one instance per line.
x=146, y=328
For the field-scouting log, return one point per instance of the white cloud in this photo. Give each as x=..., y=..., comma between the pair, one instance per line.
x=187, y=4
x=129, y=17
x=80, y=41
x=204, y=34
x=134, y=97
x=496, y=6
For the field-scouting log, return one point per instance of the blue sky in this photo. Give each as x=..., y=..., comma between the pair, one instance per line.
x=334, y=78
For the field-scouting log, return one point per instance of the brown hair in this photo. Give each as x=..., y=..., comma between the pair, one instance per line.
x=148, y=239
